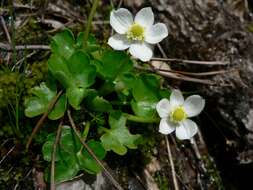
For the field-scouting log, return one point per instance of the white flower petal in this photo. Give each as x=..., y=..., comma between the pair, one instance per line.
x=121, y=20
x=142, y=51
x=176, y=98
x=186, y=130
x=166, y=127
x=163, y=108
x=193, y=105
x=156, y=33
x=119, y=42
x=145, y=17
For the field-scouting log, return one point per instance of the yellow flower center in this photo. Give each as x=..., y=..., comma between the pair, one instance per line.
x=178, y=114
x=136, y=32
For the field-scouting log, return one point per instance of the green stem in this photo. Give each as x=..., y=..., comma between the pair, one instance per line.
x=140, y=119
x=104, y=129
x=86, y=130
x=91, y=15
x=85, y=133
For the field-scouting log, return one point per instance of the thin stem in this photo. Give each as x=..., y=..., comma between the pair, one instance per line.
x=86, y=130
x=56, y=142
x=108, y=174
x=171, y=164
x=85, y=133
x=91, y=15
x=140, y=119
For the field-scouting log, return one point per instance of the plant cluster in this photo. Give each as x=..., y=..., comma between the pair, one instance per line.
x=103, y=85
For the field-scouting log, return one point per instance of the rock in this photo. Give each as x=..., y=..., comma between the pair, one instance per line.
x=86, y=182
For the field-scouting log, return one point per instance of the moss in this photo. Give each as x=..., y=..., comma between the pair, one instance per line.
x=14, y=88
x=212, y=171
x=8, y=83
x=147, y=146
x=31, y=32
x=250, y=28
x=35, y=74
x=161, y=180
x=13, y=83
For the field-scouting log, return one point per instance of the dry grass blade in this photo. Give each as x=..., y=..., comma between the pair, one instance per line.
x=5, y=156
x=42, y=119
x=177, y=76
x=171, y=164
x=198, y=74
x=7, y=47
x=56, y=142
x=107, y=173
x=184, y=78
x=190, y=61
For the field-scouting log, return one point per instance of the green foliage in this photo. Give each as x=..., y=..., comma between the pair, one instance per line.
x=114, y=64
x=97, y=82
x=118, y=138
x=92, y=44
x=63, y=44
x=39, y=103
x=94, y=102
x=70, y=156
x=76, y=74
x=146, y=93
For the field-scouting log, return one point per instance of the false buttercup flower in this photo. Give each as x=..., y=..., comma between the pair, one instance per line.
x=175, y=114
x=139, y=34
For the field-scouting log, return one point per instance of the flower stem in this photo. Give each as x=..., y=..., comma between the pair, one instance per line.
x=91, y=15
x=140, y=119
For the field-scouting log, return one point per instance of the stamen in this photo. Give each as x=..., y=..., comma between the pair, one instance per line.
x=136, y=32
x=178, y=114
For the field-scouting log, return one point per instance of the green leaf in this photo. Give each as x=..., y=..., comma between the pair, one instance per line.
x=83, y=73
x=47, y=148
x=113, y=64
x=86, y=161
x=165, y=93
x=69, y=144
x=146, y=92
x=59, y=68
x=38, y=104
x=128, y=79
x=70, y=156
x=63, y=44
x=97, y=103
x=92, y=44
x=76, y=74
x=118, y=138
x=144, y=109
x=59, y=108
x=66, y=168
x=76, y=95
x=146, y=88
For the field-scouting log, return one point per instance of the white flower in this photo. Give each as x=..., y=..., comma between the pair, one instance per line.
x=175, y=112
x=138, y=34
